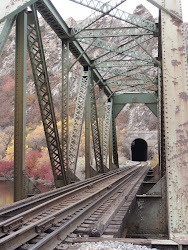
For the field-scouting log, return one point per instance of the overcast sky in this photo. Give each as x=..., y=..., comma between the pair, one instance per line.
x=69, y=9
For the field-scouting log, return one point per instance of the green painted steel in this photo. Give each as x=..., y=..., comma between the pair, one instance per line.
x=117, y=109
x=106, y=134
x=119, y=14
x=139, y=76
x=20, y=106
x=95, y=128
x=42, y=85
x=112, y=32
x=101, y=114
x=114, y=140
x=128, y=64
x=5, y=28
x=126, y=49
x=78, y=120
x=147, y=98
x=11, y=8
x=52, y=17
x=87, y=134
x=65, y=105
x=104, y=8
x=153, y=108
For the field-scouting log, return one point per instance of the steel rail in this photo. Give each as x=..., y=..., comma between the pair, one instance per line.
x=52, y=240
x=27, y=215
x=29, y=231
x=17, y=209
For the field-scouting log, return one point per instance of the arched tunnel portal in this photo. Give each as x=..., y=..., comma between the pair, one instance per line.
x=139, y=149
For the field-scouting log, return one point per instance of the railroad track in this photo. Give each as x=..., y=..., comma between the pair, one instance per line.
x=46, y=223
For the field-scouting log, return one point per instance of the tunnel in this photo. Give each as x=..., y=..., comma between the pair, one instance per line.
x=139, y=149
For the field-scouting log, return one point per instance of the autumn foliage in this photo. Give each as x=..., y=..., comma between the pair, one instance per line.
x=6, y=169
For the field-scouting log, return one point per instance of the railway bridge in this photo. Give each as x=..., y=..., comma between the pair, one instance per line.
x=130, y=201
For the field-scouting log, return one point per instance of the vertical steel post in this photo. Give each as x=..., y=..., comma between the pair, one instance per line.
x=114, y=140
x=101, y=115
x=20, y=105
x=110, y=146
x=42, y=84
x=78, y=120
x=65, y=104
x=108, y=114
x=95, y=127
x=87, y=135
x=175, y=102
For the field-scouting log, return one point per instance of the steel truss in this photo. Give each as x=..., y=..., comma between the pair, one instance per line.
x=5, y=28
x=114, y=140
x=105, y=9
x=125, y=50
x=95, y=129
x=106, y=134
x=65, y=103
x=101, y=115
x=78, y=120
x=42, y=85
x=113, y=32
x=117, y=13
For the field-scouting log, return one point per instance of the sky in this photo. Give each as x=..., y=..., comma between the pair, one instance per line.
x=69, y=9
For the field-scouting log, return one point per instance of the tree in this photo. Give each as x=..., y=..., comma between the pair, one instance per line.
x=5, y=139
x=31, y=161
x=36, y=138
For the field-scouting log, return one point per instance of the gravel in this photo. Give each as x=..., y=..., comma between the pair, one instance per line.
x=111, y=245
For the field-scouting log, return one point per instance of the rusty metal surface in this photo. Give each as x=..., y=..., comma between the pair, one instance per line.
x=150, y=215
x=175, y=88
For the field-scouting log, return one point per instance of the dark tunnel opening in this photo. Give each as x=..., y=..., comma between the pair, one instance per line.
x=139, y=149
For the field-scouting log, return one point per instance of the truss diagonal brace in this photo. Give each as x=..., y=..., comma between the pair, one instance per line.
x=114, y=140
x=95, y=129
x=105, y=8
x=5, y=28
x=65, y=102
x=78, y=120
x=106, y=134
x=119, y=14
x=42, y=85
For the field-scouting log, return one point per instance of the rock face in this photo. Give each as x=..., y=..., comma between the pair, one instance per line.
x=135, y=116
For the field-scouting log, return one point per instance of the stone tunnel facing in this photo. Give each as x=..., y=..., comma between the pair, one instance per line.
x=139, y=149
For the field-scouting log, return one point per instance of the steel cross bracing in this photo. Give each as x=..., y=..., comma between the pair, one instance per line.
x=112, y=32
x=78, y=120
x=105, y=8
x=139, y=76
x=142, y=33
x=114, y=141
x=95, y=129
x=125, y=50
x=106, y=133
x=65, y=103
x=119, y=14
x=101, y=115
x=42, y=85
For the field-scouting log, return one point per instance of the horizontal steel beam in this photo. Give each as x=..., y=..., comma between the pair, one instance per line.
x=146, y=98
x=112, y=32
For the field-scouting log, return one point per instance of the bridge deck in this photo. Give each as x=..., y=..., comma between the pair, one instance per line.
x=95, y=207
